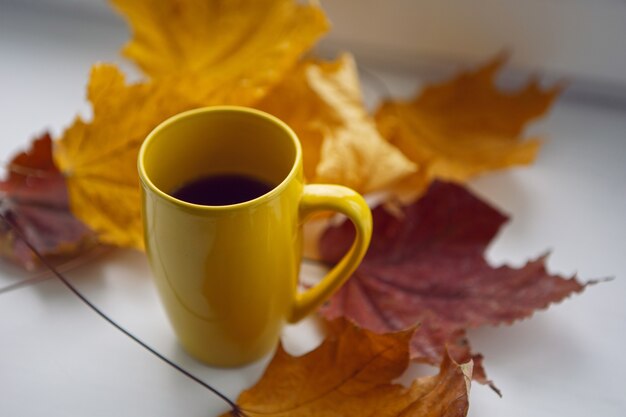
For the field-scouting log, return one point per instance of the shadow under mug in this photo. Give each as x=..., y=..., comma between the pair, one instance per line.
x=228, y=275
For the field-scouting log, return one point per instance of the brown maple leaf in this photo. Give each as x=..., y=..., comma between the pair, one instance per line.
x=34, y=198
x=428, y=267
x=464, y=127
x=351, y=374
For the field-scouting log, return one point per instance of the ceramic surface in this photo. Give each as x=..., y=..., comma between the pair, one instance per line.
x=228, y=275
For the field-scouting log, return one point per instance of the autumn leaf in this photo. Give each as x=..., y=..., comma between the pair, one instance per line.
x=464, y=127
x=99, y=157
x=322, y=102
x=351, y=374
x=231, y=51
x=428, y=267
x=34, y=198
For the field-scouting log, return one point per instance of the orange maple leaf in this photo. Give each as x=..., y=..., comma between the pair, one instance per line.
x=463, y=127
x=351, y=374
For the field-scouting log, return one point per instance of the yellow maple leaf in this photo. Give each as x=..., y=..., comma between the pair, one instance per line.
x=230, y=50
x=98, y=158
x=351, y=374
x=464, y=127
x=178, y=43
x=322, y=102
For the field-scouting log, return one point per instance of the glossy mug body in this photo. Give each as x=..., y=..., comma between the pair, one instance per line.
x=228, y=275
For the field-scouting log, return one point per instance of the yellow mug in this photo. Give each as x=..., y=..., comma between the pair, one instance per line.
x=227, y=275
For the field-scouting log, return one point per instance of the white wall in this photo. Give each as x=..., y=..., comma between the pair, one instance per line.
x=579, y=38
x=583, y=40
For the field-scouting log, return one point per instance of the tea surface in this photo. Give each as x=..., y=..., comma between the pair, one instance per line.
x=221, y=190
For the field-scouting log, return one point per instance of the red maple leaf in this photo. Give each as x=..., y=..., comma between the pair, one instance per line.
x=427, y=266
x=34, y=198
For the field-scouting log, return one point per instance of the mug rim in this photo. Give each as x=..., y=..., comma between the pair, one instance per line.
x=145, y=179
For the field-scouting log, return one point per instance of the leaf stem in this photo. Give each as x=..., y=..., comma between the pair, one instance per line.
x=235, y=408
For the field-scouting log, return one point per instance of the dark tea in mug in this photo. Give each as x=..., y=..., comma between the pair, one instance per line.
x=221, y=190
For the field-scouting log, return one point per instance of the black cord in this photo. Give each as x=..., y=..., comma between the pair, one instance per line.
x=235, y=408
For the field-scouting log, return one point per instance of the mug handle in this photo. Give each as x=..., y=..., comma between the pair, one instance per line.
x=338, y=198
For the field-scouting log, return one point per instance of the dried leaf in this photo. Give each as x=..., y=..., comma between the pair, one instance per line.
x=464, y=127
x=428, y=267
x=34, y=198
x=322, y=102
x=351, y=374
x=175, y=42
x=232, y=51
x=99, y=158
